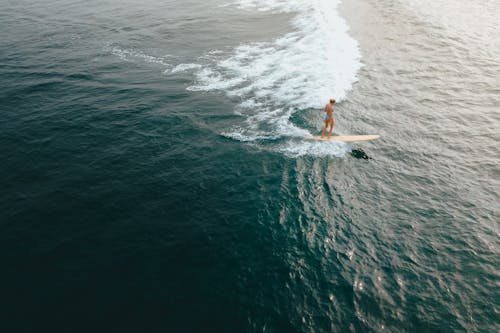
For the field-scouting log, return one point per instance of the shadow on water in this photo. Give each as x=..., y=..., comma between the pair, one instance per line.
x=360, y=153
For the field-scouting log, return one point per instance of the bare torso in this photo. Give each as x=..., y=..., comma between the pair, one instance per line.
x=329, y=111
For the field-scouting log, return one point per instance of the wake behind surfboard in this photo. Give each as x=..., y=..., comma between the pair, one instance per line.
x=347, y=138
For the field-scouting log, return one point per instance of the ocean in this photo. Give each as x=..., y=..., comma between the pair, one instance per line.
x=158, y=172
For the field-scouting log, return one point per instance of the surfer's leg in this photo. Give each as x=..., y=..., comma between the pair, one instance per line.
x=324, y=129
x=332, y=122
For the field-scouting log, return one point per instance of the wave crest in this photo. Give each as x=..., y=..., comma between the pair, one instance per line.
x=302, y=69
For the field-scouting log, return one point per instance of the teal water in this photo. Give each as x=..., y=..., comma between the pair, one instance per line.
x=153, y=179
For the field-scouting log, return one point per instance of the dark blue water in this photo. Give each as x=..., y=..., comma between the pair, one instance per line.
x=150, y=182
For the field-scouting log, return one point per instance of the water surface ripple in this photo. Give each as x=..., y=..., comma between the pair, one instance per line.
x=152, y=181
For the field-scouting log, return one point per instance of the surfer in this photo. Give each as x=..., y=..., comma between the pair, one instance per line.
x=328, y=118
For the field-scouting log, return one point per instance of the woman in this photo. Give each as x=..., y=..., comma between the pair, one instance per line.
x=328, y=118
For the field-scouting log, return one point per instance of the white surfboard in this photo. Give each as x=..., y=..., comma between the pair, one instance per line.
x=348, y=138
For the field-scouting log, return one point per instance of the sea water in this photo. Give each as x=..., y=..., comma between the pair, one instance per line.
x=158, y=174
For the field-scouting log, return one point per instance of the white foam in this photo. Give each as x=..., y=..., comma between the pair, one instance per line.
x=315, y=148
x=300, y=70
x=269, y=5
x=183, y=68
x=131, y=55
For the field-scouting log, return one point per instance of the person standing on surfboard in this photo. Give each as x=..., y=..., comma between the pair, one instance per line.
x=328, y=118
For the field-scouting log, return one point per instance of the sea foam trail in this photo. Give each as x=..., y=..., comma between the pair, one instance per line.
x=130, y=55
x=302, y=69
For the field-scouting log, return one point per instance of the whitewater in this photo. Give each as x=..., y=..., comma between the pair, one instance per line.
x=271, y=81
